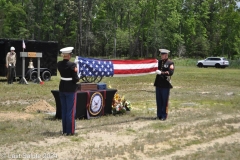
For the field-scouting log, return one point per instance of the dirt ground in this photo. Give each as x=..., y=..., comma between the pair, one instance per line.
x=14, y=116
x=39, y=107
x=73, y=150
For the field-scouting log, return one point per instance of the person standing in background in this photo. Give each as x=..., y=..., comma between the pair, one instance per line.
x=10, y=65
x=163, y=84
x=67, y=88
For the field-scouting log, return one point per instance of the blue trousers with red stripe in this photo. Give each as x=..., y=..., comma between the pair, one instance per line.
x=68, y=112
x=162, y=97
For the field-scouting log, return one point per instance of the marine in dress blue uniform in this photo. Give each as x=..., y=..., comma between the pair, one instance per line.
x=67, y=88
x=163, y=84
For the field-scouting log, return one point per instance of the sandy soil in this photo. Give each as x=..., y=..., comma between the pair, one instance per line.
x=14, y=116
x=40, y=106
x=73, y=150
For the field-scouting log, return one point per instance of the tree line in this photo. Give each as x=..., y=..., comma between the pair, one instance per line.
x=129, y=28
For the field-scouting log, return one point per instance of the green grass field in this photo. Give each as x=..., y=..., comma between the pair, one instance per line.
x=203, y=122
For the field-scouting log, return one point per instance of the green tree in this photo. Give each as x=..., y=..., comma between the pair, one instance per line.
x=134, y=28
x=230, y=38
x=195, y=20
x=14, y=21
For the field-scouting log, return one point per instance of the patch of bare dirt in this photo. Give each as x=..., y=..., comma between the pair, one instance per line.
x=194, y=148
x=75, y=147
x=40, y=106
x=14, y=116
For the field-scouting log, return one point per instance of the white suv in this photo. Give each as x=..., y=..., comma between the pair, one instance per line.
x=218, y=62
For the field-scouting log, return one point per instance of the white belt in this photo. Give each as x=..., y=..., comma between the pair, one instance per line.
x=66, y=79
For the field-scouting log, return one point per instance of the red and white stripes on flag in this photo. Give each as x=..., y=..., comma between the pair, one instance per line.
x=115, y=68
x=124, y=68
x=23, y=45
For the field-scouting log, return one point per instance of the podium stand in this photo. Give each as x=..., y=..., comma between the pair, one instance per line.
x=82, y=101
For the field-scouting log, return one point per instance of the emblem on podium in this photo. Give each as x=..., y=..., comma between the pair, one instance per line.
x=96, y=104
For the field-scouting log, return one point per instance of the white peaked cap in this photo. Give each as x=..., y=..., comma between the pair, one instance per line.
x=162, y=51
x=67, y=50
x=12, y=49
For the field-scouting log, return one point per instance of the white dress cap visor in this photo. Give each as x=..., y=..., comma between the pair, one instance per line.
x=66, y=50
x=164, y=51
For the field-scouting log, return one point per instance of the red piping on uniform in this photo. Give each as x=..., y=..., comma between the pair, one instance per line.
x=167, y=108
x=73, y=111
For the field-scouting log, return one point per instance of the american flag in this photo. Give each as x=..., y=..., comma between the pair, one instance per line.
x=124, y=68
x=23, y=45
x=116, y=68
x=94, y=67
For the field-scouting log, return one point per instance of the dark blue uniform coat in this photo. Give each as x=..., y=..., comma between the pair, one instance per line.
x=67, y=89
x=163, y=86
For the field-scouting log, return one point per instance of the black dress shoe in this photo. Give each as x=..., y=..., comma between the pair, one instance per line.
x=70, y=134
x=157, y=118
x=163, y=119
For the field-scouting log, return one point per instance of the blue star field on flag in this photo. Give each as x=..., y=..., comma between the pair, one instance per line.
x=95, y=67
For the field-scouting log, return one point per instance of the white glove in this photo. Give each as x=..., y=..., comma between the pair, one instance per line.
x=158, y=72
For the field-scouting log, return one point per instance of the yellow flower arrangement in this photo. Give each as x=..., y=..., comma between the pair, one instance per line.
x=120, y=104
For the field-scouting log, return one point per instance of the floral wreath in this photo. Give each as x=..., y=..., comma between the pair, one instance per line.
x=120, y=105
